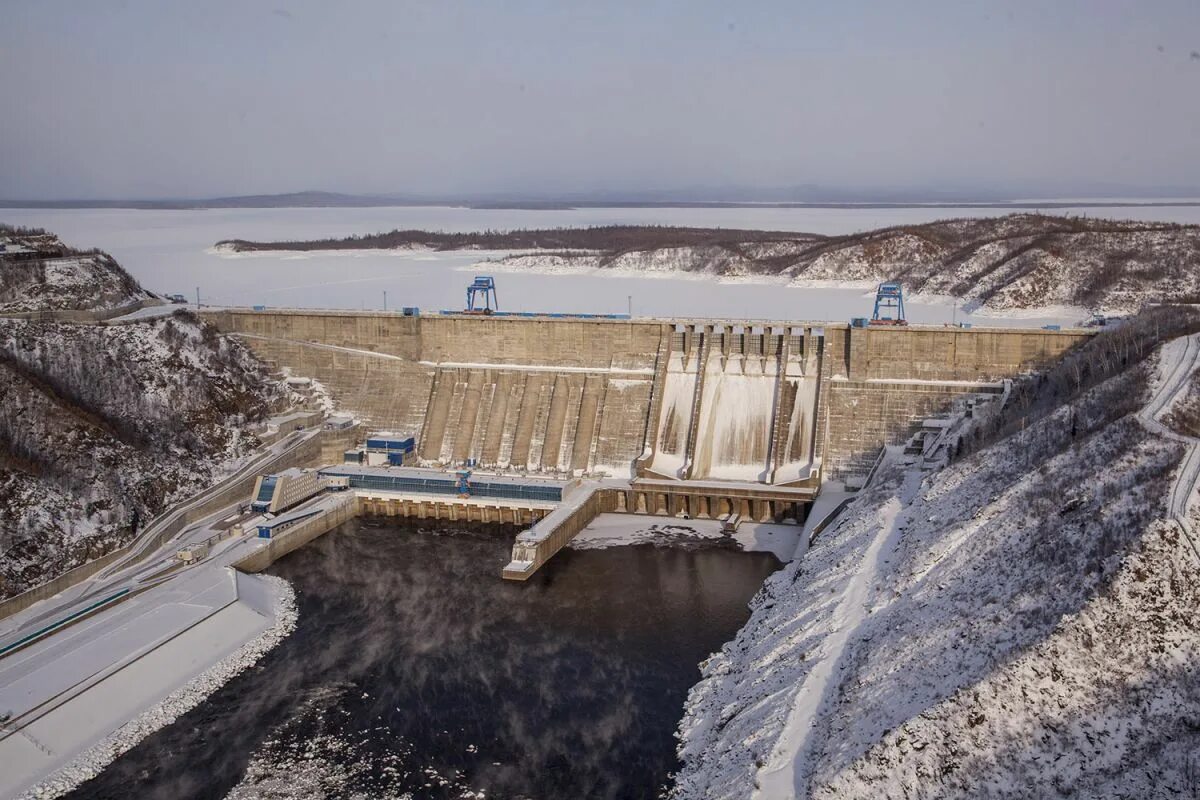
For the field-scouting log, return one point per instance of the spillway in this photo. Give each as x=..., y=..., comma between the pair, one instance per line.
x=736, y=415
x=679, y=390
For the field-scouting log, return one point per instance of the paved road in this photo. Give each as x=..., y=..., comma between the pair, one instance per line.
x=1179, y=362
x=144, y=559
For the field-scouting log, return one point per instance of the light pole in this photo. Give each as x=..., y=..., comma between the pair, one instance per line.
x=385, y=299
x=629, y=298
x=197, y=298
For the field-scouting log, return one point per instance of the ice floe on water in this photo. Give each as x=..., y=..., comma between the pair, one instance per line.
x=320, y=751
x=616, y=530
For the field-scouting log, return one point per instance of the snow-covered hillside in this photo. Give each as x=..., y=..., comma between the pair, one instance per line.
x=39, y=273
x=1023, y=623
x=102, y=427
x=70, y=283
x=1021, y=261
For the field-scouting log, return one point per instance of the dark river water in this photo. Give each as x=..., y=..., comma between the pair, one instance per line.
x=416, y=671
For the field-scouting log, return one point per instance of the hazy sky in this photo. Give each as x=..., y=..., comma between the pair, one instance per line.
x=186, y=99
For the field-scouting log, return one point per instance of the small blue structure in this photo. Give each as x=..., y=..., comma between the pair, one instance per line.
x=411, y=311
x=390, y=443
x=859, y=322
x=423, y=481
x=463, y=482
x=485, y=285
x=889, y=305
x=267, y=530
x=266, y=491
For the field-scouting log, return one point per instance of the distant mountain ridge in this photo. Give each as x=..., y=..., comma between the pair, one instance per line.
x=698, y=197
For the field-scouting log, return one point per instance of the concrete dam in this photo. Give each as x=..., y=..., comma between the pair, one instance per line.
x=737, y=420
x=686, y=408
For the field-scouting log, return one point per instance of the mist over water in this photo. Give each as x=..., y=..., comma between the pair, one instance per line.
x=415, y=668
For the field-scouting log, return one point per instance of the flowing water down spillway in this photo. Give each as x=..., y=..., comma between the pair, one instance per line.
x=735, y=420
x=416, y=671
x=738, y=406
x=798, y=405
x=679, y=389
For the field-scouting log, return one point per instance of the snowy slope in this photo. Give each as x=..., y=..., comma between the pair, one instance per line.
x=85, y=281
x=102, y=427
x=1020, y=261
x=1021, y=624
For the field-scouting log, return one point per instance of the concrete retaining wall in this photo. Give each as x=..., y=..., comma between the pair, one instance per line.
x=493, y=340
x=944, y=353
x=573, y=398
x=65, y=581
x=299, y=535
x=563, y=529
x=862, y=416
x=388, y=392
x=83, y=315
x=391, y=334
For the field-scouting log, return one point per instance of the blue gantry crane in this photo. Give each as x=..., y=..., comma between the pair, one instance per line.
x=484, y=285
x=889, y=305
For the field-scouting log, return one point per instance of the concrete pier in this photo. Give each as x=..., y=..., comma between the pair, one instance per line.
x=536, y=546
x=687, y=499
x=335, y=510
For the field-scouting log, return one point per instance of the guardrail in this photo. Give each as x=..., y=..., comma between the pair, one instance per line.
x=67, y=620
x=82, y=315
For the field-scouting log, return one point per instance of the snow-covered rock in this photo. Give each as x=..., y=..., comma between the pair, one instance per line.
x=60, y=279
x=1020, y=624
